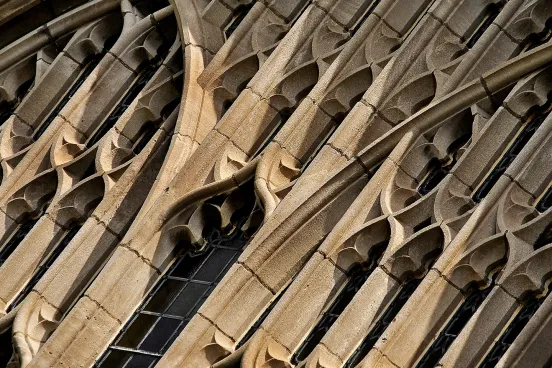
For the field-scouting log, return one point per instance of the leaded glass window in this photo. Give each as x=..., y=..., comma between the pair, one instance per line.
x=178, y=295
x=532, y=123
x=475, y=297
x=47, y=263
x=406, y=291
x=357, y=278
x=21, y=231
x=514, y=328
x=489, y=16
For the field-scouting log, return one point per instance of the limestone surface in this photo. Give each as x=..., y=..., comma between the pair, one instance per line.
x=275, y=183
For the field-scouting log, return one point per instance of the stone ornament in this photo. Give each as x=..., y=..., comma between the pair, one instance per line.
x=275, y=183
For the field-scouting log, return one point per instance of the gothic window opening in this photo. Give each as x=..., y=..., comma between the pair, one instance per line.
x=513, y=329
x=544, y=238
x=179, y=294
x=439, y=169
x=263, y=316
x=365, y=16
x=490, y=14
x=6, y=349
x=148, y=130
x=7, y=108
x=139, y=83
x=89, y=64
x=545, y=202
x=357, y=277
x=537, y=39
x=472, y=301
x=47, y=263
x=239, y=15
x=532, y=123
x=406, y=291
x=21, y=231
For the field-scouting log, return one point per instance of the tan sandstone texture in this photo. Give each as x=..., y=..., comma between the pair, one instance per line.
x=275, y=183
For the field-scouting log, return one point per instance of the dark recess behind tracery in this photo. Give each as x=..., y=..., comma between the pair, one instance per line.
x=47, y=10
x=38, y=15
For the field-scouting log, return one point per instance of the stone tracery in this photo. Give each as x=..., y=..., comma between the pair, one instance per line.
x=392, y=157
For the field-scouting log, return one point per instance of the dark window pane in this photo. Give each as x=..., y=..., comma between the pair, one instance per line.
x=516, y=325
x=6, y=349
x=141, y=361
x=536, y=117
x=114, y=359
x=454, y=327
x=136, y=331
x=358, y=276
x=188, y=265
x=406, y=291
x=215, y=264
x=187, y=300
x=163, y=296
x=160, y=334
x=237, y=242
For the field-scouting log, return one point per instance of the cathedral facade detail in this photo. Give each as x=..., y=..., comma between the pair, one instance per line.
x=275, y=183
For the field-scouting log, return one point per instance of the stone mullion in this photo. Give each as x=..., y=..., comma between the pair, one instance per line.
x=290, y=317
x=527, y=350
x=523, y=240
x=389, y=347
x=253, y=84
x=45, y=233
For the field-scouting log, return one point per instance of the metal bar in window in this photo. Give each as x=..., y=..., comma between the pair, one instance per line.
x=164, y=315
x=135, y=351
x=512, y=331
x=191, y=280
x=150, y=330
x=357, y=278
x=383, y=322
x=49, y=260
x=92, y=63
x=454, y=327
